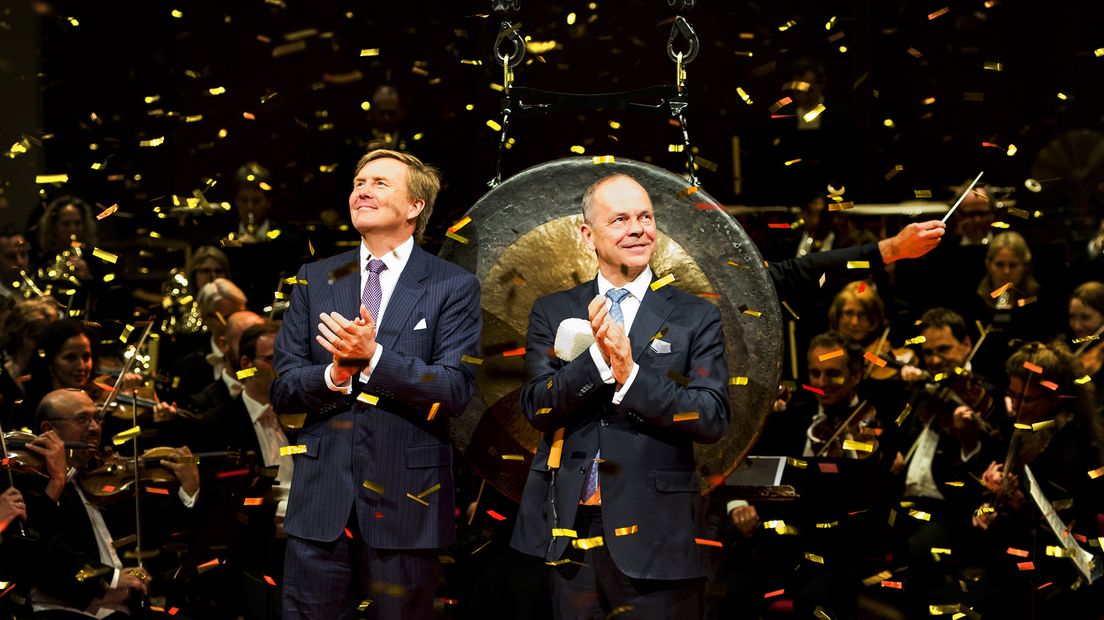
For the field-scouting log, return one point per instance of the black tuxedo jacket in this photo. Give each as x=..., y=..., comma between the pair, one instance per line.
x=650, y=491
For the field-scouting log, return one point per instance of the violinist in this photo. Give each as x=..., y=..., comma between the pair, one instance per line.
x=1057, y=436
x=81, y=572
x=942, y=453
x=21, y=329
x=1086, y=324
x=217, y=300
x=226, y=387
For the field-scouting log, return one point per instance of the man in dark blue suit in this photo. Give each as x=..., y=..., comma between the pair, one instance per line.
x=379, y=378
x=612, y=497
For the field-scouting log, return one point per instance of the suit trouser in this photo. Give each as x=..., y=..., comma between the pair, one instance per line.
x=333, y=580
x=591, y=586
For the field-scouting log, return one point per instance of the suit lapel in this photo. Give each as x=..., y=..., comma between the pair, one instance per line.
x=654, y=310
x=408, y=290
x=346, y=289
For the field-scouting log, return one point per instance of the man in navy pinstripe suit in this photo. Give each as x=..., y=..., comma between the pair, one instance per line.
x=379, y=376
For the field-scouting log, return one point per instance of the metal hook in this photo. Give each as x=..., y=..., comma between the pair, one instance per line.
x=683, y=27
x=508, y=32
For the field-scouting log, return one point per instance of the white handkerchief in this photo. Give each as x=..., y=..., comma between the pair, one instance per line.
x=660, y=346
x=421, y=324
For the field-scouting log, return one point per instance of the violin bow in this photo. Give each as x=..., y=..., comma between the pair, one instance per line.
x=881, y=343
x=127, y=365
x=839, y=430
x=984, y=332
x=1017, y=436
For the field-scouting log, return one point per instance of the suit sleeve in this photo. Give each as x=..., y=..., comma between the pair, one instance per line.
x=445, y=378
x=300, y=384
x=657, y=398
x=555, y=391
x=794, y=277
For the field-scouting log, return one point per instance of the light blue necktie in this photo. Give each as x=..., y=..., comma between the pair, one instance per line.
x=590, y=485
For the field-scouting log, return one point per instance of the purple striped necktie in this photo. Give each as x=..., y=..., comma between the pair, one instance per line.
x=372, y=296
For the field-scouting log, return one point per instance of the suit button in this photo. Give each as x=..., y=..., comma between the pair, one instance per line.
x=582, y=470
x=605, y=422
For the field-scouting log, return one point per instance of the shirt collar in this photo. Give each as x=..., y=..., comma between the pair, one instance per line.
x=232, y=384
x=637, y=288
x=395, y=259
x=255, y=409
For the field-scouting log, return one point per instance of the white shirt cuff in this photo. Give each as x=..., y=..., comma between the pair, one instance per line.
x=188, y=500
x=619, y=395
x=603, y=368
x=967, y=456
x=115, y=579
x=344, y=388
x=734, y=504
x=367, y=372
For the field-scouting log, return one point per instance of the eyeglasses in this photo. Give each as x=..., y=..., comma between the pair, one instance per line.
x=83, y=419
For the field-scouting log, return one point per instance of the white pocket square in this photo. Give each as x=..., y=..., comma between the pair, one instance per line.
x=660, y=346
x=421, y=324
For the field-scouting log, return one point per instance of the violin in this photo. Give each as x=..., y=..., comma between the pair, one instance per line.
x=114, y=478
x=19, y=459
x=856, y=437
x=962, y=388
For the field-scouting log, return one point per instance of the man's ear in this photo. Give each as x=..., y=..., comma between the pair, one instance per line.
x=415, y=209
x=587, y=235
x=244, y=362
x=223, y=344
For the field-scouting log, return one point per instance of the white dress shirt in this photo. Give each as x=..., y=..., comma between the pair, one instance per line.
x=629, y=307
x=396, y=261
x=217, y=359
x=269, y=436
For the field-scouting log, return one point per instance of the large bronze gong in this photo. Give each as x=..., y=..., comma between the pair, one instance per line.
x=523, y=242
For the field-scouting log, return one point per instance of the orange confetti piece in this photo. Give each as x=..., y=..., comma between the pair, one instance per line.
x=108, y=211
x=896, y=585
x=1000, y=291
x=253, y=501
x=683, y=417
x=1017, y=552
x=709, y=543
x=270, y=581
x=625, y=531
x=433, y=411
x=1033, y=368
x=831, y=355
x=1050, y=385
x=1025, y=565
x=458, y=225
x=108, y=489
x=1096, y=473
x=828, y=468
x=212, y=563
x=157, y=491
x=774, y=593
x=514, y=352
x=874, y=359
x=941, y=12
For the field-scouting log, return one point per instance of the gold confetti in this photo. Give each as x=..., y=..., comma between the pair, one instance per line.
x=374, y=487
x=290, y=450
x=604, y=159
x=940, y=551
x=798, y=463
x=811, y=115
x=563, y=531
x=939, y=13
x=418, y=499
x=919, y=515
x=662, y=282
x=88, y=572
x=922, y=193
x=460, y=224
x=625, y=531
x=878, y=578
x=738, y=381
x=841, y=206
x=1058, y=552
x=858, y=264
x=812, y=557
x=245, y=373
x=42, y=179
x=830, y=355
x=751, y=312
x=683, y=417
x=494, y=125
x=892, y=173
x=369, y=52
x=512, y=457
x=293, y=280
x=544, y=410
x=104, y=255
x=456, y=237
x=916, y=340
x=827, y=526
x=1096, y=473
x=993, y=66
x=363, y=605
x=471, y=360
x=588, y=543
x=790, y=310
x=859, y=446
x=430, y=490
x=126, y=435
x=365, y=397
x=108, y=211
x=433, y=411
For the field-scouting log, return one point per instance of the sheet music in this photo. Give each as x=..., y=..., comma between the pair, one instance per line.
x=1083, y=560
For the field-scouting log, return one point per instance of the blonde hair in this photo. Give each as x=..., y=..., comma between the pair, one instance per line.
x=1015, y=243
x=869, y=300
x=423, y=182
x=49, y=219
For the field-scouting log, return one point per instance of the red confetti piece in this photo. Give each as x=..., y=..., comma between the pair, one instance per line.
x=173, y=611
x=812, y=389
x=1045, y=585
x=896, y=585
x=1025, y=565
x=514, y=352
x=862, y=288
x=494, y=515
x=214, y=562
x=775, y=593
x=232, y=473
x=1050, y=385
x=705, y=206
x=874, y=359
x=379, y=515
x=157, y=490
x=779, y=225
x=992, y=145
x=348, y=534
x=270, y=581
x=709, y=543
x=828, y=468
x=108, y=489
